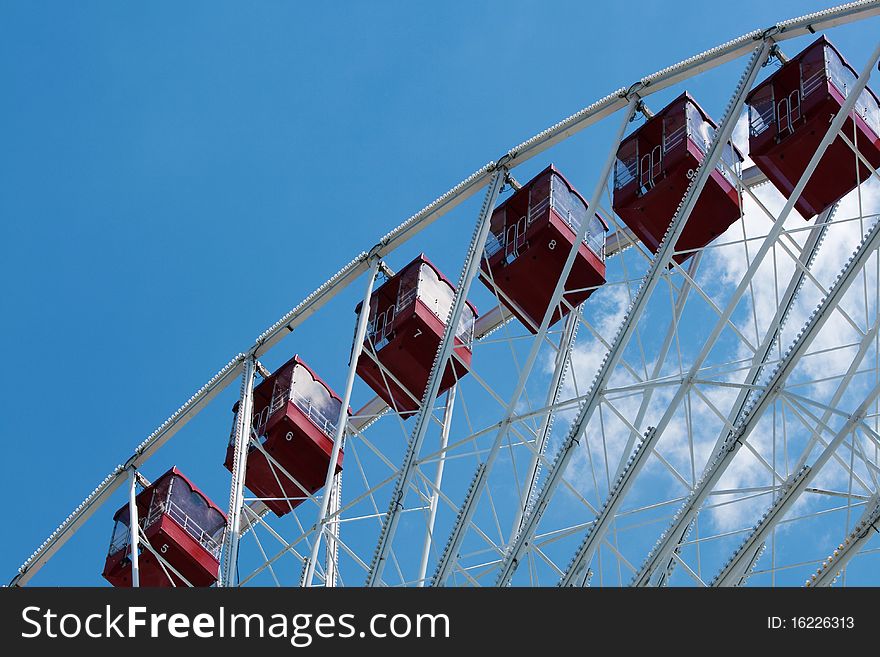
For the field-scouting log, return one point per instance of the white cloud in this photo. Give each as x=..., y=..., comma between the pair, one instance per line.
x=721, y=271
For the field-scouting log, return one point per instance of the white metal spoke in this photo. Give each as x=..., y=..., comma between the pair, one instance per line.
x=855, y=541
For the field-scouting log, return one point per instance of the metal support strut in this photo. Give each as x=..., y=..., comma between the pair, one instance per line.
x=733, y=571
x=866, y=527
x=554, y=390
x=133, y=525
x=331, y=551
x=356, y=348
x=438, y=480
x=239, y=464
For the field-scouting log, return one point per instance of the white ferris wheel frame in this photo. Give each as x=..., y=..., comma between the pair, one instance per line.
x=243, y=517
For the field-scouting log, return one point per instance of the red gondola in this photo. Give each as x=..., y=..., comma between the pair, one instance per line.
x=295, y=416
x=181, y=524
x=654, y=167
x=789, y=114
x=406, y=324
x=531, y=235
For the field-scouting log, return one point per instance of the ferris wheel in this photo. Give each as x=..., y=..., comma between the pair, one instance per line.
x=666, y=375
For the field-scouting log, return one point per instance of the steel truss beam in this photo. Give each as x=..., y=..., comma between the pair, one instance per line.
x=133, y=527
x=438, y=481
x=639, y=302
x=557, y=381
x=243, y=428
x=331, y=551
x=810, y=23
x=662, y=552
x=866, y=527
x=736, y=570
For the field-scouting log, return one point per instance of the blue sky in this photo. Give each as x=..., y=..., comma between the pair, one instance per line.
x=174, y=177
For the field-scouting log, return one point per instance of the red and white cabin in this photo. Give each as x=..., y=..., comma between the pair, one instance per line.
x=789, y=113
x=181, y=524
x=295, y=416
x=531, y=235
x=406, y=324
x=654, y=167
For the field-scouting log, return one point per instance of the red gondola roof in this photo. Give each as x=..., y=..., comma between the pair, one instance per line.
x=685, y=96
x=419, y=260
x=296, y=360
x=551, y=168
x=174, y=471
